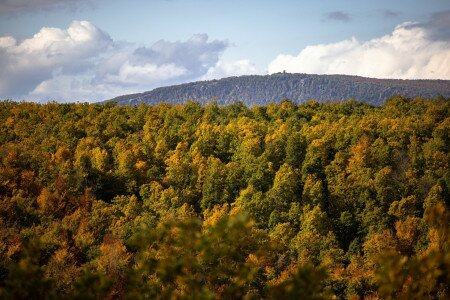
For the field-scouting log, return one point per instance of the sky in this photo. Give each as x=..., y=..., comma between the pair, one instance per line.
x=93, y=50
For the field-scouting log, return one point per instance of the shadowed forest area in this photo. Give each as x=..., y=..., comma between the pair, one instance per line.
x=283, y=201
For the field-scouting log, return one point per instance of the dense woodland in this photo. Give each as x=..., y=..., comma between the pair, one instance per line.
x=284, y=201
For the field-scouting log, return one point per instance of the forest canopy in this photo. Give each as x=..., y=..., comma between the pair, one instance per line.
x=336, y=200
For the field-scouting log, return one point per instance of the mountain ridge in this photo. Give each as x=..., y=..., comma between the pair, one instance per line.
x=298, y=87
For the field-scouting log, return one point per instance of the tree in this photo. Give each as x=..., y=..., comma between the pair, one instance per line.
x=295, y=150
x=214, y=184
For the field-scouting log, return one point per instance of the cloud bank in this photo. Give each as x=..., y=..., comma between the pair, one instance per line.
x=49, y=53
x=84, y=63
x=164, y=61
x=411, y=51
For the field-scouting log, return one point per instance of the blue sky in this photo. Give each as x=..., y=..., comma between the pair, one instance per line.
x=95, y=49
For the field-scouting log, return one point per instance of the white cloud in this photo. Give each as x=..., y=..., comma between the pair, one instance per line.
x=70, y=88
x=225, y=69
x=64, y=87
x=163, y=62
x=82, y=63
x=144, y=74
x=409, y=52
x=49, y=52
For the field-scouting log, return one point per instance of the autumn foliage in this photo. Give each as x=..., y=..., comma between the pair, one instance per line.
x=312, y=201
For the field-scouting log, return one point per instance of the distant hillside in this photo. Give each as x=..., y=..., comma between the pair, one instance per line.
x=260, y=90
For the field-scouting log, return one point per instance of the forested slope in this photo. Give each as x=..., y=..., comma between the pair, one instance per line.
x=299, y=88
x=188, y=201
